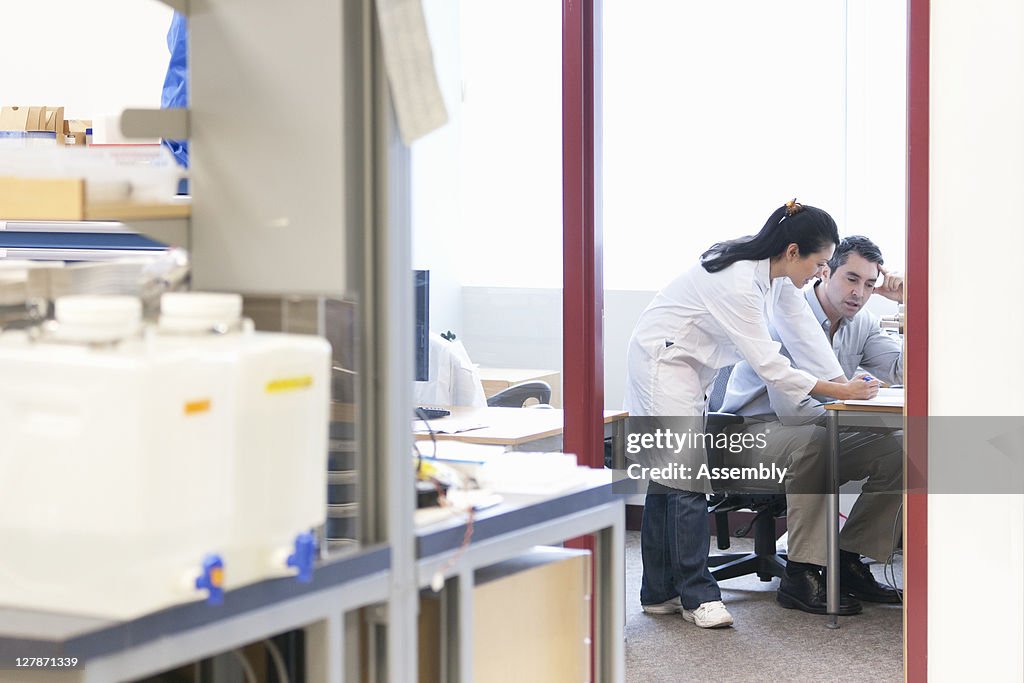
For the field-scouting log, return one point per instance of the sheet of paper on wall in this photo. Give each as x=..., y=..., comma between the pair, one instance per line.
x=409, y=62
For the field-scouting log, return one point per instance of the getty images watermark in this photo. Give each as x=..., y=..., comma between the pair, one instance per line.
x=687, y=446
x=912, y=454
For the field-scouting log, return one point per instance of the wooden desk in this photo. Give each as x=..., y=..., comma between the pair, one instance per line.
x=875, y=417
x=497, y=379
x=517, y=427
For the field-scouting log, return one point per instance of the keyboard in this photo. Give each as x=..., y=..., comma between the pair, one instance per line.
x=430, y=413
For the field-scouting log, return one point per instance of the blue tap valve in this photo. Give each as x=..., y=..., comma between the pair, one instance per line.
x=304, y=556
x=212, y=579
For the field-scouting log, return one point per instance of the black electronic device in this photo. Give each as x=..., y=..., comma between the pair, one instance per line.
x=431, y=413
x=428, y=493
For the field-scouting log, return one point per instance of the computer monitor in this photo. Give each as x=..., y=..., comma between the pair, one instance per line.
x=421, y=297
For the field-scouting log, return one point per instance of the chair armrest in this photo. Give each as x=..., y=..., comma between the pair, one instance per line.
x=517, y=395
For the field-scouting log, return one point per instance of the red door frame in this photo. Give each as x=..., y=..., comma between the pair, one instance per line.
x=583, y=295
x=915, y=536
x=582, y=269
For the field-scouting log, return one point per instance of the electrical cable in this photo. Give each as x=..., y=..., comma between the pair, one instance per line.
x=438, y=580
x=250, y=674
x=433, y=439
x=889, y=565
x=275, y=654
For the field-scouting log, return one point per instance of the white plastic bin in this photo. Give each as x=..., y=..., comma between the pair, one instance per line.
x=280, y=412
x=116, y=468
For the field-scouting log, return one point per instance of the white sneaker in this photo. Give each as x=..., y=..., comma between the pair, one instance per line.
x=709, y=615
x=668, y=607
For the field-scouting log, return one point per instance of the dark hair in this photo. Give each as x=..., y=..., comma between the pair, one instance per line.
x=857, y=244
x=810, y=228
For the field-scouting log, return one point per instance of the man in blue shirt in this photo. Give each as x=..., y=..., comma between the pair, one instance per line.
x=872, y=528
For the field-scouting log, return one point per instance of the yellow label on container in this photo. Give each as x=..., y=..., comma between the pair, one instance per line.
x=289, y=384
x=196, y=407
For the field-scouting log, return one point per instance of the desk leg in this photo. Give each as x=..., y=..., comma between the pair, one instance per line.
x=609, y=598
x=832, y=523
x=619, y=444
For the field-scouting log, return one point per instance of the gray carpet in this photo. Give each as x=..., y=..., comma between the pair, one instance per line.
x=767, y=643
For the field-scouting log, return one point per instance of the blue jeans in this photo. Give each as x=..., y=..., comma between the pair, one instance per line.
x=674, y=543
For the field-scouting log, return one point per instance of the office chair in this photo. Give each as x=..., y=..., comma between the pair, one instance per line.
x=765, y=561
x=520, y=395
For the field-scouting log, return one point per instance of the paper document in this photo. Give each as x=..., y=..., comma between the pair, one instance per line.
x=887, y=396
x=478, y=499
x=448, y=425
x=459, y=451
x=409, y=61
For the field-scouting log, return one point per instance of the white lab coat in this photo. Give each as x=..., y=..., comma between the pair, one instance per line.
x=452, y=379
x=702, y=322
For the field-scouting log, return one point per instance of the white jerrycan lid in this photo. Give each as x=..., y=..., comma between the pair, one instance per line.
x=96, y=318
x=199, y=311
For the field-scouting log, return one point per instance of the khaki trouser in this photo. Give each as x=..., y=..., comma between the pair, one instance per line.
x=873, y=527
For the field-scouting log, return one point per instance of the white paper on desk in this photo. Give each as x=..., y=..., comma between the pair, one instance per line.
x=887, y=396
x=478, y=499
x=532, y=473
x=450, y=425
x=409, y=62
x=459, y=451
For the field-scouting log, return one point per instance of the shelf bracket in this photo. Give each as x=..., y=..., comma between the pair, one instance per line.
x=171, y=124
x=179, y=6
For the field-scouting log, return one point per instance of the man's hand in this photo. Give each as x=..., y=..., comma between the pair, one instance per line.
x=891, y=287
x=862, y=387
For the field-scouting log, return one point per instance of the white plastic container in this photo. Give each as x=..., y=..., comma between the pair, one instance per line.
x=116, y=475
x=280, y=412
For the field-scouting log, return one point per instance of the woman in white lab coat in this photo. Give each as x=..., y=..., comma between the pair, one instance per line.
x=714, y=315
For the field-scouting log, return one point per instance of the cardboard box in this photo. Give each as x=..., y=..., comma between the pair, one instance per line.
x=30, y=122
x=76, y=131
x=30, y=199
x=531, y=620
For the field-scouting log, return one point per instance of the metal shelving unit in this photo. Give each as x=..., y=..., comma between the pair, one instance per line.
x=117, y=651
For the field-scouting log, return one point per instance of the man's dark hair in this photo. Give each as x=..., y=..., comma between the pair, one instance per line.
x=858, y=244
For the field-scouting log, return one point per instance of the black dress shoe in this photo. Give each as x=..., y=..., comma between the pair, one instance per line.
x=806, y=591
x=856, y=579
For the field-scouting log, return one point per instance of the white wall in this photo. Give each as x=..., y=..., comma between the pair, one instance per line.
x=95, y=57
x=487, y=187
x=977, y=170
x=520, y=327
x=437, y=176
x=876, y=124
x=716, y=113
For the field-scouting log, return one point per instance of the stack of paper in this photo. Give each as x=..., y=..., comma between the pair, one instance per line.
x=887, y=396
